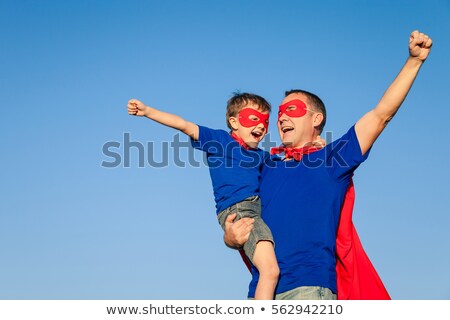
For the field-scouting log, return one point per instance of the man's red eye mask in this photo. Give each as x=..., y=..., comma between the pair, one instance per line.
x=293, y=108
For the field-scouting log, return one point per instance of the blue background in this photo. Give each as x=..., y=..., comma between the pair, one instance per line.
x=73, y=229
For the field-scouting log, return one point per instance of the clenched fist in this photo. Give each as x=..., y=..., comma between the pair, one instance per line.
x=136, y=107
x=419, y=45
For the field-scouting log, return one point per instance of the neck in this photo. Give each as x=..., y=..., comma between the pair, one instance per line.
x=305, y=140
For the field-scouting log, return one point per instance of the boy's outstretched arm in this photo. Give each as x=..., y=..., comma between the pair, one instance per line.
x=369, y=127
x=137, y=108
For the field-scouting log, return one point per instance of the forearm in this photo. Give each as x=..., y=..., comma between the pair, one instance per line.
x=398, y=90
x=173, y=121
x=370, y=126
x=165, y=118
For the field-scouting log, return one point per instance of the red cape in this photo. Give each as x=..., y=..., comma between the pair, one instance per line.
x=357, y=279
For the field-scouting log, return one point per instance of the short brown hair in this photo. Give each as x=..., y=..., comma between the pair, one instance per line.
x=239, y=100
x=316, y=104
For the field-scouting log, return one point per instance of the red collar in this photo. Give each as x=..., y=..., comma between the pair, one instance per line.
x=241, y=142
x=294, y=153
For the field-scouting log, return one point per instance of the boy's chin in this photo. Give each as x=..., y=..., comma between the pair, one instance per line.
x=252, y=144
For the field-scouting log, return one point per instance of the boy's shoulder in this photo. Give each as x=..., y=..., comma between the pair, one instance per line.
x=206, y=133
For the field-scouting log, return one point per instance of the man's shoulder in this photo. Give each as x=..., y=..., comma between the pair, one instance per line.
x=350, y=135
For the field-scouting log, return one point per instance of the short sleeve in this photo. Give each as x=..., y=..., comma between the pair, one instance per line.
x=210, y=140
x=344, y=155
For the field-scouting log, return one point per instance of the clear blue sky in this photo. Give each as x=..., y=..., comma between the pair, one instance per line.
x=72, y=229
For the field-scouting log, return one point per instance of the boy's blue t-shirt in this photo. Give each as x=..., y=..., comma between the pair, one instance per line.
x=301, y=204
x=235, y=171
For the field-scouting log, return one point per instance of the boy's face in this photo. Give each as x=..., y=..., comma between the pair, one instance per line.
x=250, y=124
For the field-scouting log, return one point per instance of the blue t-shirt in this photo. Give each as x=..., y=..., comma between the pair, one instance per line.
x=235, y=172
x=301, y=204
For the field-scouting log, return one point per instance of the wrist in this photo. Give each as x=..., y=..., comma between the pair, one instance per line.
x=415, y=61
x=148, y=111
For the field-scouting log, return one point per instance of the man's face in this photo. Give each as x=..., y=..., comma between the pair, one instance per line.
x=295, y=121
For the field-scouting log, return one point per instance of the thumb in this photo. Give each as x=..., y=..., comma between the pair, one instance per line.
x=230, y=219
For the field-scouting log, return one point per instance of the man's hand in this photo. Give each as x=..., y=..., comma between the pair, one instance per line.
x=319, y=142
x=419, y=45
x=136, y=108
x=236, y=233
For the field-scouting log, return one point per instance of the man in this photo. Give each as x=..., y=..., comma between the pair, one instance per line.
x=302, y=196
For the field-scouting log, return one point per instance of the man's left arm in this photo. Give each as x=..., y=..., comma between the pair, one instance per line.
x=369, y=127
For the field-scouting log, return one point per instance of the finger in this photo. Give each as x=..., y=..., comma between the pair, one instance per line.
x=242, y=225
x=248, y=220
x=421, y=38
x=230, y=218
x=319, y=141
x=415, y=40
x=248, y=224
x=244, y=238
x=425, y=40
x=249, y=228
x=414, y=35
x=429, y=43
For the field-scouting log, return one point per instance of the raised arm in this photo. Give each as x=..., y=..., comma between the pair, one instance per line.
x=137, y=108
x=369, y=127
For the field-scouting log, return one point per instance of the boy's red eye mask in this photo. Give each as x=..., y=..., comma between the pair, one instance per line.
x=294, y=108
x=249, y=117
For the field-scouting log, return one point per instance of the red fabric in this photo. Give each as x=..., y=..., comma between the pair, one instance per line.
x=246, y=119
x=294, y=109
x=357, y=279
x=241, y=142
x=295, y=153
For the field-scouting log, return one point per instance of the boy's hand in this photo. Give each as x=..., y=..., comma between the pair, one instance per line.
x=419, y=45
x=136, y=107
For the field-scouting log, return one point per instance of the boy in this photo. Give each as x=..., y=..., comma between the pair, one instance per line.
x=235, y=164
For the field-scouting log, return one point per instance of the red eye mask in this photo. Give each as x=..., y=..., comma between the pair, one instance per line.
x=293, y=108
x=249, y=117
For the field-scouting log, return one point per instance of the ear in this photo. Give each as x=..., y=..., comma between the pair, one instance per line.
x=233, y=122
x=318, y=118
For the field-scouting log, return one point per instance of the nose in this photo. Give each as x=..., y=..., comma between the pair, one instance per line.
x=261, y=126
x=282, y=117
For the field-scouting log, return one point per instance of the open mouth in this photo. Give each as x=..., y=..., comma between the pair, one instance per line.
x=257, y=134
x=286, y=129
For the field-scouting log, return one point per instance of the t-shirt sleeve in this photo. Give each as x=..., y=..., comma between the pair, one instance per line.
x=210, y=140
x=344, y=156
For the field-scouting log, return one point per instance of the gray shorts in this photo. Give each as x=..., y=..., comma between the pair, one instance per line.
x=249, y=208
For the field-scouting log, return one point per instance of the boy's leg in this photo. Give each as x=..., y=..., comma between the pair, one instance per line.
x=260, y=249
x=265, y=261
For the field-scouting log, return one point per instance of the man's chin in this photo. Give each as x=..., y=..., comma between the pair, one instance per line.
x=287, y=143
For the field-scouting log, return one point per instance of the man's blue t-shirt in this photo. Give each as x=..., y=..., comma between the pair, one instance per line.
x=301, y=204
x=235, y=171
